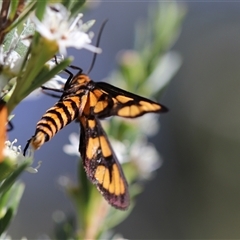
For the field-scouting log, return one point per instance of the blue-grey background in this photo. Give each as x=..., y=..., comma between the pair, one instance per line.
x=196, y=192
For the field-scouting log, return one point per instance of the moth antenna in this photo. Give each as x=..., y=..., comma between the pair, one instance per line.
x=97, y=45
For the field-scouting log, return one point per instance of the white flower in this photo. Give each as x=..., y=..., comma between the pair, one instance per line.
x=11, y=60
x=15, y=154
x=145, y=157
x=11, y=63
x=58, y=216
x=120, y=150
x=150, y=120
x=8, y=58
x=148, y=123
x=64, y=182
x=5, y=236
x=56, y=26
x=72, y=148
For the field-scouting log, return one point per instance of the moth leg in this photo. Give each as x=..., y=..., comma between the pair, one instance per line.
x=26, y=147
x=75, y=67
x=66, y=84
x=10, y=125
x=52, y=89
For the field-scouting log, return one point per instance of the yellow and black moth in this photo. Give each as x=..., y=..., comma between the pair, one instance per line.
x=88, y=102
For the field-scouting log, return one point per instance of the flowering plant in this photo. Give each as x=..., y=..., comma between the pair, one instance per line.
x=32, y=33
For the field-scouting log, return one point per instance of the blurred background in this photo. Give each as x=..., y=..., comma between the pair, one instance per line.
x=195, y=193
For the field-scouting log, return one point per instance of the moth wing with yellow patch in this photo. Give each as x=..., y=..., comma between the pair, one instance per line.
x=115, y=101
x=101, y=164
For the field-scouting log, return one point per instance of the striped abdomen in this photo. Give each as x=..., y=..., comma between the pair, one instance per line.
x=55, y=118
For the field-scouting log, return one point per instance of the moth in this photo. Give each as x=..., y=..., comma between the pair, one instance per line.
x=89, y=102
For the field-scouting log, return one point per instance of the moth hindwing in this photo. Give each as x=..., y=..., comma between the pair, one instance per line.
x=101, y=164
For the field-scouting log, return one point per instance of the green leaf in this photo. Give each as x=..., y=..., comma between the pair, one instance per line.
x=4, y=222
x=12, y=197
x=10, y=201
x=81, y=195
x=67, y=4
x=166, y=67
x=8, y=40
x=13, y=9
x=40, y=9
x=73, y=6
x=7, y=184
x=76, y=6
x=6, y=168
x=115, y=217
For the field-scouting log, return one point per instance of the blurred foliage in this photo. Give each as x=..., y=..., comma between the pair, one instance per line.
x=22, y=70
x=25, y=53
x=11, y=192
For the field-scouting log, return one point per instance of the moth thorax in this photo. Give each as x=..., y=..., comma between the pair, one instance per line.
x=81, y=79
x=38, y=140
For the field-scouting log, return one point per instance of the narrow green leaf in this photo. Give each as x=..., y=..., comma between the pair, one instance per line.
x=5, y=220
x=6, y=168
x=16, y=193
x=67, y=4
x=12, y=197
x=13, y=9
x=11, y=179
x=40, y=9
x=10, y=201
x=76, y=6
